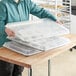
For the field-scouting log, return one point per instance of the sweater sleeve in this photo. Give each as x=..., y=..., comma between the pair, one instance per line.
x=2, y=19
x=40, y=12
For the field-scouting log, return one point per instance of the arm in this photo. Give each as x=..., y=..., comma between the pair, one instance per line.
x=41, y=12
x=2, y=19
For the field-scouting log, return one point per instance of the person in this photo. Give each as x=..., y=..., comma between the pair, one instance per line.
x=15, y=11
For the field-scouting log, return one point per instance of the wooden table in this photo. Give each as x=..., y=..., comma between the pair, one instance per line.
x=28, y=62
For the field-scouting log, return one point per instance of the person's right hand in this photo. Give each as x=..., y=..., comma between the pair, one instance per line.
x=9, y=32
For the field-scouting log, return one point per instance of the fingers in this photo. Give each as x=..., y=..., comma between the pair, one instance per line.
x=59, y=22
x=9, y=32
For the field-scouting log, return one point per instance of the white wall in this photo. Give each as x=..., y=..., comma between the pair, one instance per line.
x=73, y=2
x=73, y=24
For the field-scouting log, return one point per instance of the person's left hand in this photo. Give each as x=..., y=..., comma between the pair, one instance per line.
x=59, y=22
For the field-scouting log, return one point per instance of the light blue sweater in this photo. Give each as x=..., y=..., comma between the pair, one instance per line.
x=10, y=11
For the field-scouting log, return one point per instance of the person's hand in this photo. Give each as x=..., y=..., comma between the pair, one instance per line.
x=59, y=22
x=9, y=32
